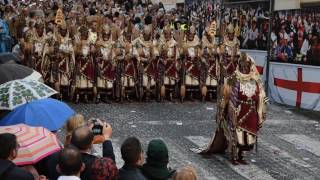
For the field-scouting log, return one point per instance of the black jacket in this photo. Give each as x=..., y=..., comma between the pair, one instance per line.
x=10, y=171
x=87, y=159
x=130, y=173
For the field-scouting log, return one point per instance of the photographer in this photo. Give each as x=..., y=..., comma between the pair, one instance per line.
x=83, y=138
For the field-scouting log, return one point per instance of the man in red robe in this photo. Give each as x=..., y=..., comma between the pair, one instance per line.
x=241, y=112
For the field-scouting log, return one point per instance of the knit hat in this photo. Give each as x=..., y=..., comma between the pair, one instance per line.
x=157, y=161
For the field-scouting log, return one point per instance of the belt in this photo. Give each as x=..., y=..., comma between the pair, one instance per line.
x=248, y=102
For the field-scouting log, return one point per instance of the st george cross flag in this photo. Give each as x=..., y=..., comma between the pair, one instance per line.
x=295, y=85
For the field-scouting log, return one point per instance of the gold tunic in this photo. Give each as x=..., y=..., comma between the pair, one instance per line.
x=210, y=49
x=128, y=80
x=169, y=47
x=191, y=50
x=144, y=52
x=83, y=51
x=67, y=59
x=105, y=49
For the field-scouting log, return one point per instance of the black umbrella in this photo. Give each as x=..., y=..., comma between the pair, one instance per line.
x=8, y=57
x=12, y=71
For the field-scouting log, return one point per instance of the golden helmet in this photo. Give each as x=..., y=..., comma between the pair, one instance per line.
x=59, y=18
x=230, y=28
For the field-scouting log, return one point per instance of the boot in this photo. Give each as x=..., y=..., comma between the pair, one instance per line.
x=86, y=98
x=148, y=96
x=141, y=94
x=159, y=98
x=72, y=91
x=171, y=97
x=77, y=99
x=106, y=99
x=241, y=158
x=98, y=99
x=181, y=99
x=191, y=97
x=210, y=97
x=234, y=162
x=203, y=99
x=234, y=155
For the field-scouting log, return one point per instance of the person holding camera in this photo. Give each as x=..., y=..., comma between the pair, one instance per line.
x=83, y=139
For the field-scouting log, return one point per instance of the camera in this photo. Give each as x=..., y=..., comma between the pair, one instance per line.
x=97, y=128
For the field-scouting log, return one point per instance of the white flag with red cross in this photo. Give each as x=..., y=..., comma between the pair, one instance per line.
x=295, y=85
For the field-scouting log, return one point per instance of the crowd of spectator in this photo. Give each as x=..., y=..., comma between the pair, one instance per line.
x=250, y=22
x=76, y=161
x=295, y=36
x=295, y=33
x=202, y=12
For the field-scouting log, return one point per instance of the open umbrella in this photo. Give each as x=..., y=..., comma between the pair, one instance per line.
x=35, y=143
x=13, y=71
x=18, y=92
x=48, y=113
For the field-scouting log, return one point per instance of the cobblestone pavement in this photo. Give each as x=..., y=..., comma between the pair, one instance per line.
x=288, y=145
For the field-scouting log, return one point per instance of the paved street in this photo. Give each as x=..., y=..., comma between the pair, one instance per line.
x=289, y=143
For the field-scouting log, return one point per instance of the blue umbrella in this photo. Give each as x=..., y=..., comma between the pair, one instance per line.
x=48, y=113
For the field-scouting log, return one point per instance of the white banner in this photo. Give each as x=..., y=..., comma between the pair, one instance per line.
x=286, y=4
x=295, y=85
x=169, y=1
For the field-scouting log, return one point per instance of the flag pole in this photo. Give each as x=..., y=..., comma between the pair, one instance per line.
x=269, y=47
x=220, y=20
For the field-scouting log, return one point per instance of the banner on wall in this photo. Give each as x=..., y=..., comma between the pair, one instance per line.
x=295, y=85
x=286, y=4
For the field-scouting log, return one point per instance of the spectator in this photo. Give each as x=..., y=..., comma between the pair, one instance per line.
x=186, y=173
x=132, y=154
x=250, y=22
x=70, y=164
x=82, y=138
x=104, y=169
x=252, y=36
x=315, y=51
x=283, y=52
x=73, y=123
x=306, y=47
x=156, y=167
x=8, y=152
x=5, y=38
x=301, y=26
